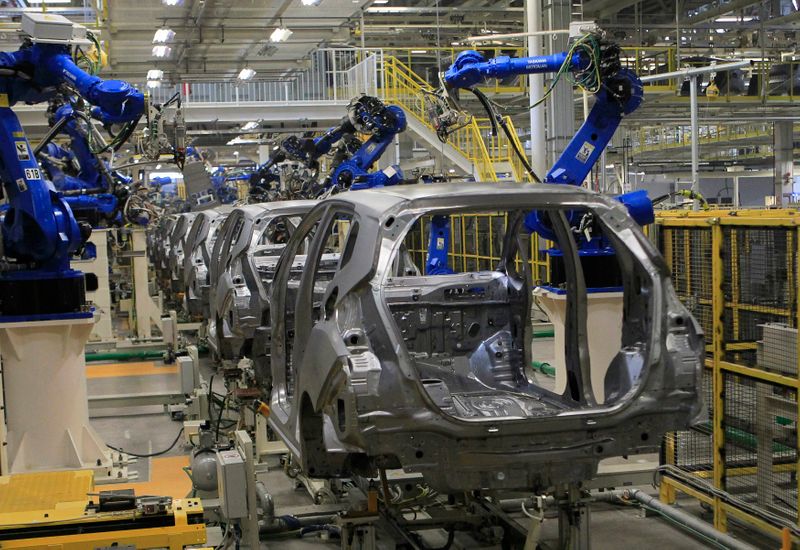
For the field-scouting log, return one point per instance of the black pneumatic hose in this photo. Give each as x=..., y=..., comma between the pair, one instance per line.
x=496, y=120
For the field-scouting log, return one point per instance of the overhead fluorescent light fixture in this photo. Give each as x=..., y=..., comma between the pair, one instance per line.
x=281, y=34
x=155, y=74
x=734, y=19
x=381, y=2
x=389, y=9
x=246, y=74
x=310, y=2
x=49, y=1
x=172, y=2
x=162, y=36
x=419, y=51
x=162, y=51
x=250, y=126
x=153, y=84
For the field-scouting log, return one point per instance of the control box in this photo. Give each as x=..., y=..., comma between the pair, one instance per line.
x=50, y=28
x=186, y=374
x=231, y=484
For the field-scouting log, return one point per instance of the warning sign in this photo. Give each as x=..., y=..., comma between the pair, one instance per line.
x=21, y=185
x=22, y=150
x=585, y=152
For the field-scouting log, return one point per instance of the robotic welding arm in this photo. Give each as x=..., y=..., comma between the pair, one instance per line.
x=365, y=115
x=369, y=115
x=39, y=229
x=592, y=64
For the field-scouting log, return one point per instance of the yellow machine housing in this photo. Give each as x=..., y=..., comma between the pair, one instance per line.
x=58, y=511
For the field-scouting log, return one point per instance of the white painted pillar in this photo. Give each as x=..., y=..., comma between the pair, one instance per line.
x=783, y=139
x=263, y=153
x=533, y=17
x=695, y=138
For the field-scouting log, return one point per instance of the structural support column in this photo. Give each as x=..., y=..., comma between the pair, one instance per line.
x=783, y=141
x=695, y=138
x=561, y=105
x=533, y=18
x=263, y=153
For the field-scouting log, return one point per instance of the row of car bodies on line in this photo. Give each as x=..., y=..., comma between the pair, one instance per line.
x=369, y=363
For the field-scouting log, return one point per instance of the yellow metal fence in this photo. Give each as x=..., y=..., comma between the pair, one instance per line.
x=475, y=244
x=737, y=272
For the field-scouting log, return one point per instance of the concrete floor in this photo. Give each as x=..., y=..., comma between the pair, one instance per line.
x=148, y=429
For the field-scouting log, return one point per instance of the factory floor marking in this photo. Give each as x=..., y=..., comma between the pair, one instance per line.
x=167, y=478
x=116, y=370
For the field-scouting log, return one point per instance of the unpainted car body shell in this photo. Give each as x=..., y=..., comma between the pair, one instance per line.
x=200, y=245
x=241, y=298
x=348, y=395
x=177, y=245
x=159, y=247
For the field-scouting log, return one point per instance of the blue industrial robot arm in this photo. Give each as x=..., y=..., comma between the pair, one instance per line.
x=471, y=69
x=365, y=115
x=95, y=193
x=370, y=116
x=90, y=170
x=590, y=63
x=39, y=227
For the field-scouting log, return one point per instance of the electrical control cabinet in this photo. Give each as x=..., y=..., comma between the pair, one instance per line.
x=231, y=484
x=50, y=28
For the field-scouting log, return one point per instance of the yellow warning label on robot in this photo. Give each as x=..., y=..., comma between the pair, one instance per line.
x=4, y=100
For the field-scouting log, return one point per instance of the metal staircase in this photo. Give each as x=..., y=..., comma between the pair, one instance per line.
x=472, y=148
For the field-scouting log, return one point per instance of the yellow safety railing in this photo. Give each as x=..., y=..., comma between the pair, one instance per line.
x=405, y=88
x=475, y=242
x=736, y=272
x=420, y=60
x=659, y=139
x=501, y=150
x=242, y=190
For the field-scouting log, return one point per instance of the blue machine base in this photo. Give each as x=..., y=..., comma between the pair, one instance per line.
x=42, y=295
x=47, y=317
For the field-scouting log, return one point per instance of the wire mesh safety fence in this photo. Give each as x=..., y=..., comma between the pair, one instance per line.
x=761, y=298
x=737, y=273
x=691, y=274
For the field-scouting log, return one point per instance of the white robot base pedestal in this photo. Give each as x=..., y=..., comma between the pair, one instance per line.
x=604, y=333
x=46, y=407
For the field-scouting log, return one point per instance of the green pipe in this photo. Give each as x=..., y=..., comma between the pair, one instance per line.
x=545, y=334
x=124, y=355
x=747, y=439
x=544, y=367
